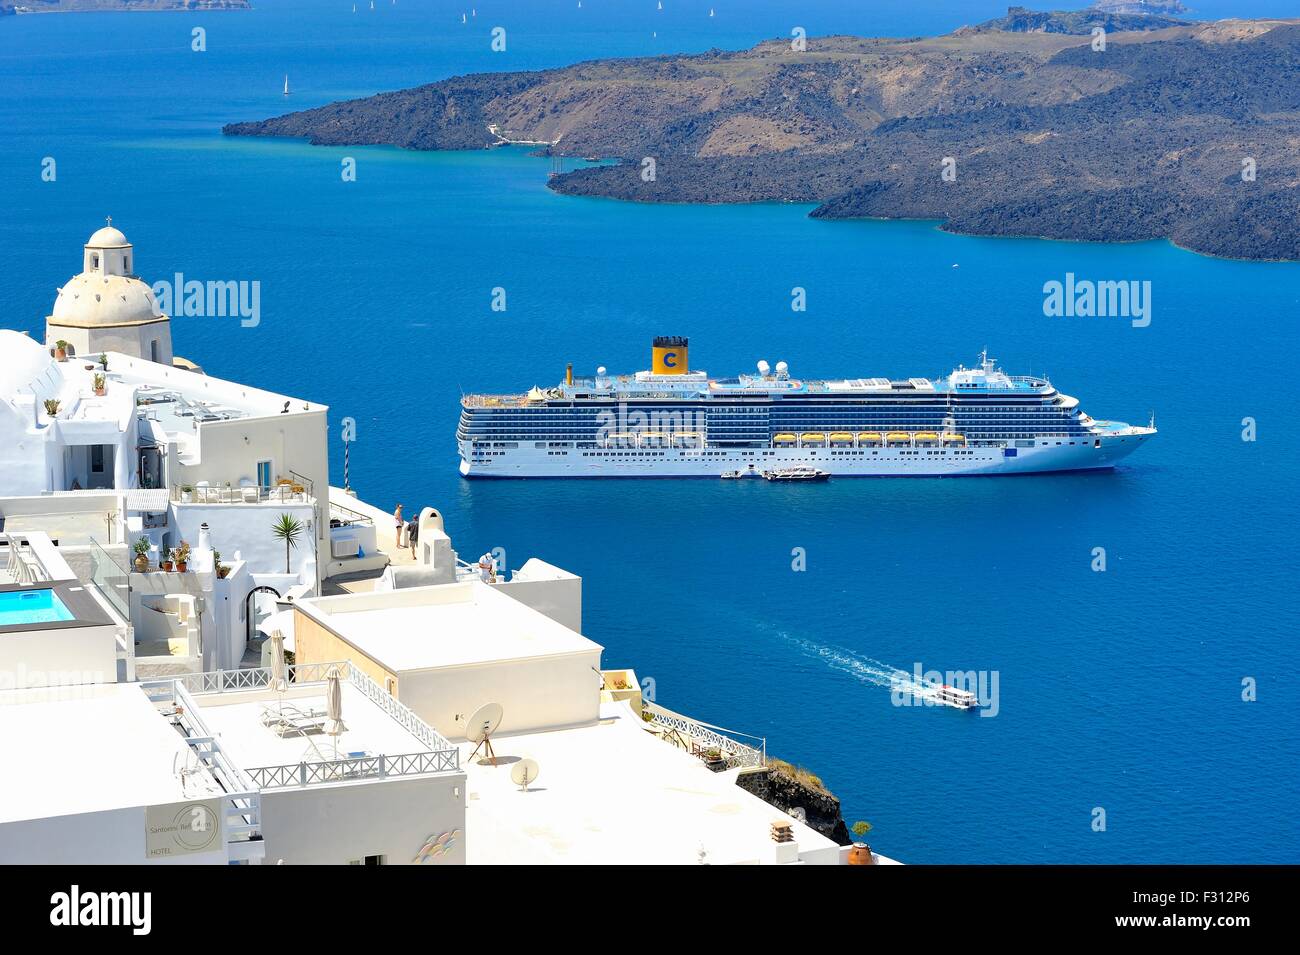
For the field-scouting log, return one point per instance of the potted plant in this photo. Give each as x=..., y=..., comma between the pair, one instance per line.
x=168, y=565
x=61, y=350
x=52, y=407
x=182, y=556
x=223, y=570
x=99, y=385
x=713, y=759
x=141, y=548
x=187, y=493
x=103, y=361
x=860, y=853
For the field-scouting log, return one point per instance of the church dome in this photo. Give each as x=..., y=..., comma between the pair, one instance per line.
x=108, y=238
x=93, y=299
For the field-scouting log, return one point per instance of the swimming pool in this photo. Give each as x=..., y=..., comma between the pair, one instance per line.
x=19, y=607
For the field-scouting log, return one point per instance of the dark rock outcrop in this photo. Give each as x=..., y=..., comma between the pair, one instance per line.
x=787, y=793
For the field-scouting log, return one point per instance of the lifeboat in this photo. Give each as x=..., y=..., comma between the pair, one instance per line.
x=954, y=439
x=651, y=438
x=868, y=437
x=783, y=440
x=928, y=437
x=842, y=439
x=898, y=437
x=812, y=439
x=621, y=439
x=686, y=439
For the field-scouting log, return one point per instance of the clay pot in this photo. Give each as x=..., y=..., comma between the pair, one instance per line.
x=141, y=564
x=100, y=392
x=180, y=567
x=860, y=854
x=167, y=566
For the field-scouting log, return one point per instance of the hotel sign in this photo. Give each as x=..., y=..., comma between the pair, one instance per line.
x=181, y=828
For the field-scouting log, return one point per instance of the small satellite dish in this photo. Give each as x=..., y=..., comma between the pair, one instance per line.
x=600, y=370
x=764, y=367
x=480, y=727
x=524, y=772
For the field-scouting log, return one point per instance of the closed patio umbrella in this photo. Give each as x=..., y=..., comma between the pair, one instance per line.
x=279, y=672
x=334, y=725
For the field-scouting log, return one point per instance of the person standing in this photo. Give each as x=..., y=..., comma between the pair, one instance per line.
x=397, y=516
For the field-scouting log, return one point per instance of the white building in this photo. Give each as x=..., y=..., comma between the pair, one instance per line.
x=219, y=768
x=622, y=780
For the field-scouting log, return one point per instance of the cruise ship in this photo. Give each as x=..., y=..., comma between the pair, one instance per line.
x=674, y=422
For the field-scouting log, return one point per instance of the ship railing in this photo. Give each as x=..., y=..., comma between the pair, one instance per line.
x=705, y=736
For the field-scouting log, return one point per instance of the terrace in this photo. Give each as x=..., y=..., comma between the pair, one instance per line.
x=280, y=738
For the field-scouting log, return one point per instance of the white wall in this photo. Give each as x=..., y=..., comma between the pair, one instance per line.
x=246, y=528
x=536, y=694
x=58, y=657
x=549, y=590
x=112, y=837
x=336, y=824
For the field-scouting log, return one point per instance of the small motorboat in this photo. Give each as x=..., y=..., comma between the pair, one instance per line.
x=796, y=474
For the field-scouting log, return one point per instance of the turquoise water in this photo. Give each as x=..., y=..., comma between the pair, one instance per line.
x=1120, y=689
x=19, y=607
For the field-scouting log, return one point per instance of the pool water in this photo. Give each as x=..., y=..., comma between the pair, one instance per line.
x=31, y=606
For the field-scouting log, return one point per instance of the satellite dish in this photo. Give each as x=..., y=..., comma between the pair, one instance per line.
x=600, y=370
x=525, y=771
x=764, y=367
x=484, y=722
x=480, y=727
x=782, y=368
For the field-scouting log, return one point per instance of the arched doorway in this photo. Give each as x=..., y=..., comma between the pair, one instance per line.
x=248, y=609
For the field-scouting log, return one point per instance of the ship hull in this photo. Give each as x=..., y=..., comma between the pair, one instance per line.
x=1040, y=456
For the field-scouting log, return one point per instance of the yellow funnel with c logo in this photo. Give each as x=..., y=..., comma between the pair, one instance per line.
x=668, y=356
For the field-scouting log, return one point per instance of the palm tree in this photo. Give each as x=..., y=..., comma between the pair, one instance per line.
x=288, y=529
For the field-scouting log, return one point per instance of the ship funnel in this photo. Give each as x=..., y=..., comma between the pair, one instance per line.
x=568, y=373
x=668, y=356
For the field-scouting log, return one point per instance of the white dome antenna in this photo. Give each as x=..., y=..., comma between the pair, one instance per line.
x=782, y=369
x=764, y=368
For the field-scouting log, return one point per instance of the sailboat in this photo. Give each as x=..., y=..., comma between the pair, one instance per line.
x=286, y=84
x=710, y=11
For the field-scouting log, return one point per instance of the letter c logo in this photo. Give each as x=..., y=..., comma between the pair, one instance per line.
x=670, y=359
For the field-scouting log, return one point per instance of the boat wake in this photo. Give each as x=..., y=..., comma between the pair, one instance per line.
x=865, y=669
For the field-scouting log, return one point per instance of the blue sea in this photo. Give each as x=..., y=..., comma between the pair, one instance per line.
x=1118, y=690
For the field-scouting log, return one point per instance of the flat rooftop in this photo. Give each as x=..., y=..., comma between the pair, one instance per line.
x=613, y=793
x=175, y=397
x=445, y=625
x=237, y=720
x=90, y=748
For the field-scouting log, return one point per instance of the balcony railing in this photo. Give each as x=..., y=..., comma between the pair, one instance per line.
x=293, y=492
x=706, y=736
x=350, y=768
